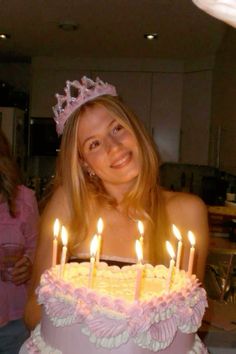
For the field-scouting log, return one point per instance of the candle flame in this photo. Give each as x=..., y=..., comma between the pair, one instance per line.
x=176, y=232
x=170, y=249
x=94, y=246
x=191, y=238
x=56, y=228
x=64, y=236
x=100, y=225
x=140, y=227
x=139, y=250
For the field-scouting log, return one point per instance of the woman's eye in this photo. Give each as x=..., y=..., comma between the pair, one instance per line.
x=117, y=128
x=94, y=144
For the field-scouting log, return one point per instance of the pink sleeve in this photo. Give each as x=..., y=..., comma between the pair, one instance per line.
x=30, y=224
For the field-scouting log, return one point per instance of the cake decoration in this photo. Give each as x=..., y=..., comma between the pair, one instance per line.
x=109, y=318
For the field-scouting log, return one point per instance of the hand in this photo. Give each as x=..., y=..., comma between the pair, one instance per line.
x=22, y=270
x=224, y=10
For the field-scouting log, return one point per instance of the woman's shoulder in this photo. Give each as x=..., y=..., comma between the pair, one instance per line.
x=26, y=194
x=186, y=202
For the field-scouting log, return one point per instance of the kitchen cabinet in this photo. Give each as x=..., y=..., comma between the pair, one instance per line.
x=196, y=118
x=166, y=108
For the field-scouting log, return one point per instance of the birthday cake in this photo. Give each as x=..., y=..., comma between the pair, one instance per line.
x=104, y=318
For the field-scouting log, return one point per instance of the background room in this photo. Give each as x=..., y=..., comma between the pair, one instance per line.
x=181, y=83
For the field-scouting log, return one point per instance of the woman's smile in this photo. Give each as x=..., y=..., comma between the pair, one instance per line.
x=122, y=160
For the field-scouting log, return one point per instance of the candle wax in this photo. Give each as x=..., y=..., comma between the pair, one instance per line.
x=138, y=281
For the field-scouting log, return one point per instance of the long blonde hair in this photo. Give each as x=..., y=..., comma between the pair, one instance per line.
x=143, y=201
x=9, y=175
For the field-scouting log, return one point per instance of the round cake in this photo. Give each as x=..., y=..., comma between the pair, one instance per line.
x=105, y=317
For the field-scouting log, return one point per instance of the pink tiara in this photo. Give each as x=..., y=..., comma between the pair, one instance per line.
x=86, y=90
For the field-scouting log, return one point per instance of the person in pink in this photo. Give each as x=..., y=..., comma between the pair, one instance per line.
x=18, y=225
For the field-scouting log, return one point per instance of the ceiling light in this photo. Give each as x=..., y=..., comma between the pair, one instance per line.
x=150, y=36
x=68, y=26
x=4, y=36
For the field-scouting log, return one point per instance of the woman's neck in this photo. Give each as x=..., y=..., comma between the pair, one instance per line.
x=118, y=191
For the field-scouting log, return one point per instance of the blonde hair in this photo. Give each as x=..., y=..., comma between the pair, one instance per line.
x=9, y=175
x=143, y=201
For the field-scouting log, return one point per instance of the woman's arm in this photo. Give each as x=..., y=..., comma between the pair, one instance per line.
x=188, y=212
x=56, y=208
x=30, y=217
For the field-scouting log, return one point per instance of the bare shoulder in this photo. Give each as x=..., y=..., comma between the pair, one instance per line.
x=189, y=212
x=184, y=202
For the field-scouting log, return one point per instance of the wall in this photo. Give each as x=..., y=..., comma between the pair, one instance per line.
x=196, y=116
x=223, y=123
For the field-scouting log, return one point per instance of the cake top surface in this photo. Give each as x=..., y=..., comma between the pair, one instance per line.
x=119, y=283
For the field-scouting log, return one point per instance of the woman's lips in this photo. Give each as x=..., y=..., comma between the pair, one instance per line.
x=122, y=161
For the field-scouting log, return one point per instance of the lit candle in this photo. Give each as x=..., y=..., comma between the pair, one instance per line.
x=139, y=252
x=56, y=229
x=141, y=231
x=177, y=234
x=192, y=241
x=64, y=239
x=99, y=237
x=171, y=266
x=93, y=251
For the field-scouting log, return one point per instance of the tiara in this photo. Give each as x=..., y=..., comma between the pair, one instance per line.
x=86, y=90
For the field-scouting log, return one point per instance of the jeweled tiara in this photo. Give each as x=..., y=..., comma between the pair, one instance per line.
x=86, y=90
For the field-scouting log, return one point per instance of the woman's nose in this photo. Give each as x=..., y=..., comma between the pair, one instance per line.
x=111, y=143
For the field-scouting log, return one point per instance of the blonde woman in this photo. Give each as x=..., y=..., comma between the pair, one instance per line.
x=108, y=167
x=18, y=226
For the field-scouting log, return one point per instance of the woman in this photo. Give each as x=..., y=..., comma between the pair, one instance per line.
x=18, y=225
x=108, y=168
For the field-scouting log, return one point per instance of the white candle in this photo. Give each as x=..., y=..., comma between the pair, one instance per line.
x=177, y=234
x=141, y=232
x=192, y=241
x=56, y=229
x=93, y=251
x=171, y=266
x=64, y=238
x=139, y=275
x=99, y=237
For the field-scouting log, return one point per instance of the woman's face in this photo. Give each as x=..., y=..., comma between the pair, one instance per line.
x=109, y=149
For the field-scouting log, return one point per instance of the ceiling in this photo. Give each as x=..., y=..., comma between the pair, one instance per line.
x=108, y=28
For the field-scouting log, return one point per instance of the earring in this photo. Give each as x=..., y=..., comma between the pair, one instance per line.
x=91, y=173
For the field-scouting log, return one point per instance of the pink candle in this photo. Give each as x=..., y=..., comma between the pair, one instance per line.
x=171, y=266
x=139, y=275
x=99, y=239
x=64, y=238
x=56, y=229
x=177, y=234
x=191, y=238
x=93, y=251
